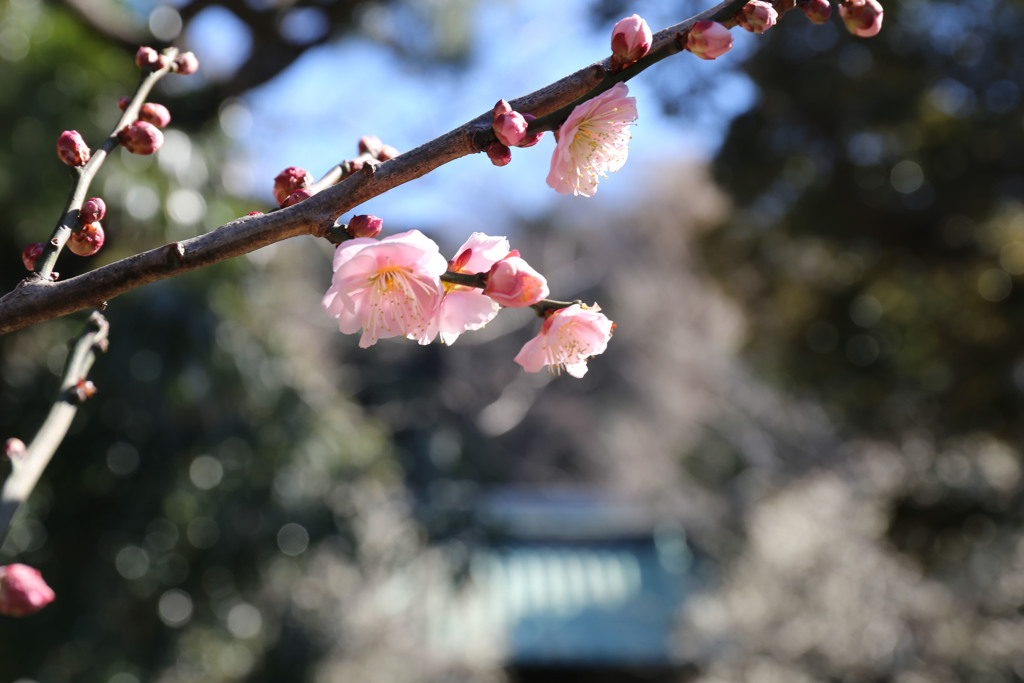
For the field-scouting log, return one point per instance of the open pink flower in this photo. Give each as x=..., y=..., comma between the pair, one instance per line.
x=387, y=288
x=467, y=308
x=568, y=337
x=592, y=141
x=23, y=591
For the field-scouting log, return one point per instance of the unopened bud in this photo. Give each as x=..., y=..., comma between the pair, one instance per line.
x=154, y=113
x=123, y=102
x=631, y=40
x=141, y=137
x=72, y=150
x=709, y=39
x=364, y=226
x=254, y=213
x=530, y=139
x=23, y=591
x=87, y=240
x=92, y=210
x=862, y=17
x=185, y=63
x=510, y=128
x=499, y=154
x=31, y=254
x=387, y=152
x=370, y=144
x=512, y=282
x=148, y=59
x=297, y=196
x=14, y=449
x=818, y=11
x=83, y=390
x=289, y=180
x=757, y=16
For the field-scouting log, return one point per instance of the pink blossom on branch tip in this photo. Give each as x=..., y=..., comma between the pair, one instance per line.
x=568, y=337
x=388, y=288
x=631, y=40
x=592, y=142
x=23, y=591
x=709, y=39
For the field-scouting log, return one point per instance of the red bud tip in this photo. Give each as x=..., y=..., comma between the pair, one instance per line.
x=31, y=254
x=141, y=137
x=297, y=196
x=499, y=154
x=364, y=226
x=186, y=63
x=72, y=150
x=92, y=210
x=87, y=240
x=154, y=113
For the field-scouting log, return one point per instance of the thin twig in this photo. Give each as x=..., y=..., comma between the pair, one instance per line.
x=75, y=388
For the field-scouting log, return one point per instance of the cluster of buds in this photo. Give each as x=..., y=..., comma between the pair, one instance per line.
x=148, y=59
x=510, y=127
x=23, y=591
x=88, y=237
x=291, y=186
x=631, y=40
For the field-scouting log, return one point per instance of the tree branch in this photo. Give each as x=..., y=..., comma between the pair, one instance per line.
x=36, y=300
x=28, y=467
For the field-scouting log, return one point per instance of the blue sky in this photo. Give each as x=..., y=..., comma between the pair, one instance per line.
x=313, y=114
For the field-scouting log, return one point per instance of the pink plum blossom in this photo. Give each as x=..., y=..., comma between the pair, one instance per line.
x=467, y=308
x=631, y=40
x=388, y=288
x=23, y=591
x=592, y=141
x=709, y=39
x=568, y=337
x=514, y=283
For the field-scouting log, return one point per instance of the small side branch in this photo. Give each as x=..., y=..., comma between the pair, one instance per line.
x=75, y=388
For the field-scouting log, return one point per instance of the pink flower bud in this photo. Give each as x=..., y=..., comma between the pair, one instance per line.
x=141, y=137
x=154, y=113
x=631, y=40
x=122, y=103
x=92, y=210
x=297, y=196
x=502, y=107
x=499, y=154
x=23, y=591
x=14, y=449
x=512, y=282
x=510, y=128
x=709, y=39
x=757, y=16
x=862, y=17
x=387, y=152
x=254, y=213
x=186, y=63
x=364, y=226
x=147, y=58
x=31, y=254
x=289, y=180
x=530, y=139
x=370, y=144
x=72, y=150
x=818, y=11
x=87, y=240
